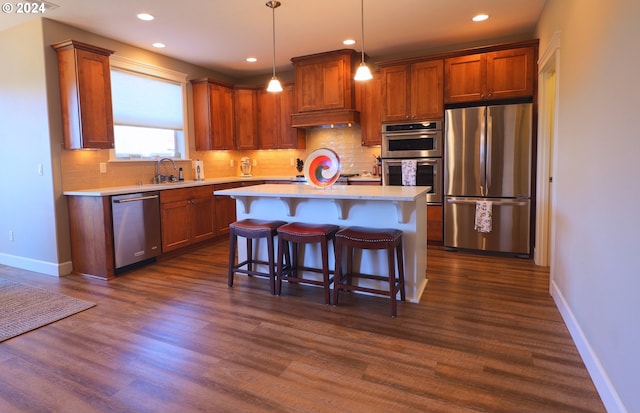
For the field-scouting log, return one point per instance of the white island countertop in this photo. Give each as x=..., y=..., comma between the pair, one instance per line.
x=372, y=192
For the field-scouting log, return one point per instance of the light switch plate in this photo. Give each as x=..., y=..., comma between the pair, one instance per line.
x=103, y=167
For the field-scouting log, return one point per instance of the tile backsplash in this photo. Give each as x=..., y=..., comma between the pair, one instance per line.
x=81, y=168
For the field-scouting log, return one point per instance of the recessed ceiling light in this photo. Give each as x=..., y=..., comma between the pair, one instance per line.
x=251, y=59
x=159, y=45
x=349, y=42
x=145, y=16
x=480, y=17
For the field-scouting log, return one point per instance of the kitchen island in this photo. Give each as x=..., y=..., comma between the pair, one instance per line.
x=400, y=207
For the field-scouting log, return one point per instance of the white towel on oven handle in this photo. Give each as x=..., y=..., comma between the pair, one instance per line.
x=483, y=216
x=409, y=167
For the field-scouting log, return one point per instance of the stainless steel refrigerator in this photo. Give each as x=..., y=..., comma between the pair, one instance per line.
x=488, y=154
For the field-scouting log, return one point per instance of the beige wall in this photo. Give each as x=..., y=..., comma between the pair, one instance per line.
x=594, y=269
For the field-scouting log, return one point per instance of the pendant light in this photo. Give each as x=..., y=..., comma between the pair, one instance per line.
x=274, y=83
x=363, y=72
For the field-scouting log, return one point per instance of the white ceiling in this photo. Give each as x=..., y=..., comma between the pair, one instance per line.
x=221, y=34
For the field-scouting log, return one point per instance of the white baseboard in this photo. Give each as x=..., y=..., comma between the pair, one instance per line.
x=43, y=267
x=606, y=390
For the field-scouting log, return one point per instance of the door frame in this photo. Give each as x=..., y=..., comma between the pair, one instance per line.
x=548, y=98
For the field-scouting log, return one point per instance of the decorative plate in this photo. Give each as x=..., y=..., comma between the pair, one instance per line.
x=322, y=168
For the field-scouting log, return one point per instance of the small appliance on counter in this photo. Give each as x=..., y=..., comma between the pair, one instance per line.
x=245, y=166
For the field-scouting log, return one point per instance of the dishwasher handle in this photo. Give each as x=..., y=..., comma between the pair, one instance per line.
x=140, y=198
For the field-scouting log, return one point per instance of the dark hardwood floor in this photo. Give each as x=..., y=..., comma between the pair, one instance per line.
x=172, y=337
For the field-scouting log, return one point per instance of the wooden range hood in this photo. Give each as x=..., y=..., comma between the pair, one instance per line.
x=325, y=93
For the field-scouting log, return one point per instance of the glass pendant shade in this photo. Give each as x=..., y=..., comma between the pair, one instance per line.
x=274, y=85
x=363, y=72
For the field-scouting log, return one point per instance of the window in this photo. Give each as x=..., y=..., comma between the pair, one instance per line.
x=148, y=111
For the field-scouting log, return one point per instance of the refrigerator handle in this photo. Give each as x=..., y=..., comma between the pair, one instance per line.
x=489, y=149
x=483, y=148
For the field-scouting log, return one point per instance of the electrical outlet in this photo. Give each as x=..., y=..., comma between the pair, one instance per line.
x=230, y=163
x=255, y=162
x=292, y=162
x=103, y=167
x=11, y=235
x=40, y=169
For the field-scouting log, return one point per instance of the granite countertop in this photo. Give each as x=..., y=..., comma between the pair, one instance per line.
x=120, y=190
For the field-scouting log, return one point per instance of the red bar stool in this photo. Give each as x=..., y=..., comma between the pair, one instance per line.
x=253, y=229
x=298, y=233
x=370, y=239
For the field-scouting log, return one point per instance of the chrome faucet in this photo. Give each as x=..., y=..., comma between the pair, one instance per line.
x=157, y=179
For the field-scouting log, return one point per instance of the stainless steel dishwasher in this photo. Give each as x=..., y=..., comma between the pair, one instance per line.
x=136, y=227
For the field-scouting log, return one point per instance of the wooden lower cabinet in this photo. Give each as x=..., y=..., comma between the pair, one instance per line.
x=187, y=216
x=435, y=218
x=91, y=233
x=226, y=206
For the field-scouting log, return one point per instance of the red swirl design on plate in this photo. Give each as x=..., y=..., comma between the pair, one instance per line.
x=323, y=167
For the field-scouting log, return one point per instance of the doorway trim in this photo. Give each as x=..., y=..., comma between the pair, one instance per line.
x=548, y=98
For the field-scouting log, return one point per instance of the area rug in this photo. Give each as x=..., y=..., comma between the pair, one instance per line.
x=24, y=308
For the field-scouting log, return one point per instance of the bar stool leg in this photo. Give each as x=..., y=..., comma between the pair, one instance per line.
x=400, y=270
x=325, y=271
x=279, y=267
x=337, y=274
x=283, y=254
x=271, y=264
x=249, y=254
x=232, y=256
x=392, y=281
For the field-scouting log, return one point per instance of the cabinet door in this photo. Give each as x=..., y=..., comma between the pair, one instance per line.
x=225, y=213
x=221, y=107
x=435, y=234
x=268, y=113
x=321, y=85
x=510, y=73
x=369, y=102
x=246, y=118
x=176, y=225
x=85, y=95
x=427, y=84
x=465, y=78
x=201, y=115
x=94, y=91
x=290, y=138
x=203, y=219
x=395, y=85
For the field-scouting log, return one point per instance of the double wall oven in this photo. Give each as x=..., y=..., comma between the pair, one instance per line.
x=416, y=141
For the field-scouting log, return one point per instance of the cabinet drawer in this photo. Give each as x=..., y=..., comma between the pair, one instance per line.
x=178, y=194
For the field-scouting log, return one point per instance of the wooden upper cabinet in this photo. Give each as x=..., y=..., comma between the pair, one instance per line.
x=274, y=120
x=501, y=74
x=246, y=117
x=413, y=91
x=291, y=138
x=465, y=78
x=324, y=81
x=213, y=115
x=85, y=95
x=511, y=73
x=369, y=103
